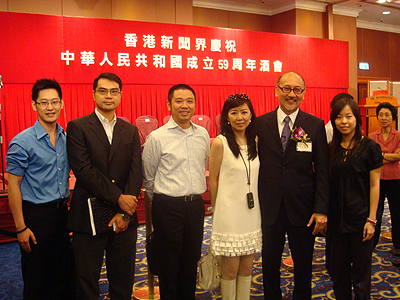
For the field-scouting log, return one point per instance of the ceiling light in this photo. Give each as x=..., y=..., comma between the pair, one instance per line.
x=381, y=1
x=386, y=12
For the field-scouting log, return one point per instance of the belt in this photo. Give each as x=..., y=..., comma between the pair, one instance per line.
x=190, y=198
x=187, y=198
x=56, y=203
x=61, y=202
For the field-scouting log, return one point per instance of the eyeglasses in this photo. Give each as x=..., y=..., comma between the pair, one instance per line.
x=113, y=92
x=54, y=103
x=287, y=89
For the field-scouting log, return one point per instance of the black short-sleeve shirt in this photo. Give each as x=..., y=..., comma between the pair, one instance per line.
x=350, y=187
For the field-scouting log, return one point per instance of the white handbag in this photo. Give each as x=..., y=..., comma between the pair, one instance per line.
x=209, y=272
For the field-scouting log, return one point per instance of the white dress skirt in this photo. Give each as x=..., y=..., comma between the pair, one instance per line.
x=236, y=228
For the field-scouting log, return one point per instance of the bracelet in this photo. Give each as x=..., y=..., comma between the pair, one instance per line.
x=373, y=222
x=210, y=208
x=22, y=230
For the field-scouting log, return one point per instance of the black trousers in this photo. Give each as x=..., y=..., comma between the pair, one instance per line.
x=301, y=244
x=351, y=260
x=391, y=190
x=120, y=263
x=48, y=270
x=178, y=230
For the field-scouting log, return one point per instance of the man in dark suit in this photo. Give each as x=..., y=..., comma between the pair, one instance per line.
x=104, y=154
x=293, y=186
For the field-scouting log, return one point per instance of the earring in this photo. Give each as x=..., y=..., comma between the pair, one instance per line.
x=250, y=121
x=229, y=122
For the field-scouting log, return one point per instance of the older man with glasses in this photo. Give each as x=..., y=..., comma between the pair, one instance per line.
x=293, y=186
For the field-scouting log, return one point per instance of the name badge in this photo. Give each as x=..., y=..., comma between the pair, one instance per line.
x=304, y=147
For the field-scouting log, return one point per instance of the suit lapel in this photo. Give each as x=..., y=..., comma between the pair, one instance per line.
x=272, y=126
x=119, y=131
x=98, y=129
x=301, y=116
x=300, y=119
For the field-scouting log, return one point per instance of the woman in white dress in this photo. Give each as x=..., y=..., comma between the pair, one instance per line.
x=233, y=177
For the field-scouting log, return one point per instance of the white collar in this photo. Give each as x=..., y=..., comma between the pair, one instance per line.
x=281, y=115
x=103, y=119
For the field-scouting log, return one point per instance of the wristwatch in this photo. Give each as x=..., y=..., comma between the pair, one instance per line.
x=125, y=217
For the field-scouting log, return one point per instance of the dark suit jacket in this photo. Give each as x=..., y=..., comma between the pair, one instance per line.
x=102, y=170
x=300, y=179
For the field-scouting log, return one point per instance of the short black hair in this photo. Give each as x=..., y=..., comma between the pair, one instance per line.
x=109, y=76
x=340, y=96
x=389, y=106
x=44, y=84
x=180, y=86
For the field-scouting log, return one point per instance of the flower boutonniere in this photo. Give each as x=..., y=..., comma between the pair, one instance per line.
x=299, y=135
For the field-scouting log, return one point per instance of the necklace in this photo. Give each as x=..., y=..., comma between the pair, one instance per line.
x=241, y=143
x=247, y=170
x=345, y=152
x=347, y=146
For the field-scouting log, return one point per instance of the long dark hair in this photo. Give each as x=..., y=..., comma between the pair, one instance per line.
x=337, y=136
x=233, y=101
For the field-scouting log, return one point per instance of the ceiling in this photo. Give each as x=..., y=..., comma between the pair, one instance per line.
x=368, y=12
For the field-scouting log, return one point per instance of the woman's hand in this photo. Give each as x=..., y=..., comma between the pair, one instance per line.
x=369, y=231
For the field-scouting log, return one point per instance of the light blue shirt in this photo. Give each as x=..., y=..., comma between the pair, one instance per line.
x=175, y=160
x=44, y=169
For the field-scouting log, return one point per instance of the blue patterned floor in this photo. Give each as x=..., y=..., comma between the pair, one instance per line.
x=385, y=280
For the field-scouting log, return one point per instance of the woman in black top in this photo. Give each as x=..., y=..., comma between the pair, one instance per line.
x=356, y=163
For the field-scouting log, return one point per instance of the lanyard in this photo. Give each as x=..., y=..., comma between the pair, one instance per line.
x=247, y=170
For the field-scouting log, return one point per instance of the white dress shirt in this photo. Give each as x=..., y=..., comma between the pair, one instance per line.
x=329, y=131
x=108, y=126
x=281, y=117
x=175, y=160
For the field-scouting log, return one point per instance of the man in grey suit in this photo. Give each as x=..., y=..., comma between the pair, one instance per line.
x=104, y=154
x=293, y=186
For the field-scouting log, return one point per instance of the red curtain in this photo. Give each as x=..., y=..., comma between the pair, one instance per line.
x=138, y=100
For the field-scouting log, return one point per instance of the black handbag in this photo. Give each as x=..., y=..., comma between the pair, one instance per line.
x=151, y=253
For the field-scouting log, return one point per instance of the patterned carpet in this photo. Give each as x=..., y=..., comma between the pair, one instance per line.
x=385, y=280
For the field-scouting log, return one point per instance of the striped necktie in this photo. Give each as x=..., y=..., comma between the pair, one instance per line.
x=285, y=133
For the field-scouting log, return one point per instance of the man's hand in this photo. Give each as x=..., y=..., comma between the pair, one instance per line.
x=23, y=239
x=128, y=203
x=321, y=222
x=120, y=224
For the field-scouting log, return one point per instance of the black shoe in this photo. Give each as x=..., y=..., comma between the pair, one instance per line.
x=396, y=262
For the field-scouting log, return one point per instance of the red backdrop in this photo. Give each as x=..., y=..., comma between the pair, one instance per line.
x=150, y=57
